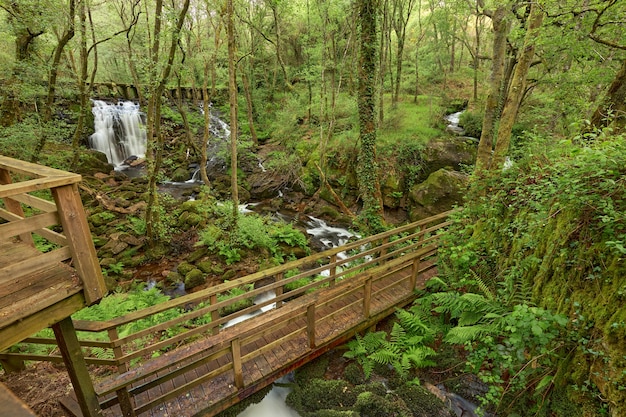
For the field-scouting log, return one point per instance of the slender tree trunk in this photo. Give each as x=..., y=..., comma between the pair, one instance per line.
x=518, y=87
x=52, y=78
x=485, y=146
x=82, y=80
x=232, y=95
x=367, y=169
x=154, y=154
x=249, y=107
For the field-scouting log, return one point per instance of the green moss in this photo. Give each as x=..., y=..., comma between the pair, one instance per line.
x=373, y=405
x=320, y=394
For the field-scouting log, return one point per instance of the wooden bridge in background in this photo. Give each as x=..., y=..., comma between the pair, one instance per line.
x=217, y=346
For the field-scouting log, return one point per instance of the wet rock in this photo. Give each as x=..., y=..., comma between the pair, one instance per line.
x=180, y=175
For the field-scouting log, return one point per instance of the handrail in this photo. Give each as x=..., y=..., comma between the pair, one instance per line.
x=360, y=256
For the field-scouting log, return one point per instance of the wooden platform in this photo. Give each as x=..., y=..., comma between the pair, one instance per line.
x=29, y=301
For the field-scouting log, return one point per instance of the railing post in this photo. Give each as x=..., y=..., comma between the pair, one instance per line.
x=310, y=327
x=367, y=297
x=383, y=252
x=76, y=229
x=117, y=350
x=237, y=366
x=215, y=315
x=279, y=290
x=414, y=272
x=76, y=367
x=333, y=269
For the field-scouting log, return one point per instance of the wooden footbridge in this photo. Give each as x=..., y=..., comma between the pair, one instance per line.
x=198, y=354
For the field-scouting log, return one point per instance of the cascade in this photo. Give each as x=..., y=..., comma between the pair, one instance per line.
x=119, y=130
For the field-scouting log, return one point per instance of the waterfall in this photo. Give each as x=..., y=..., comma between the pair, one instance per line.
x=119, y=130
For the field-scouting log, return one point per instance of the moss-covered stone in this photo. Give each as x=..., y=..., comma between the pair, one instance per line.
x=440, y=192
x=320, y=394
x=421, y=402
x=372, y=405
x=184, y=268
x=205, y=266
x=194, y=278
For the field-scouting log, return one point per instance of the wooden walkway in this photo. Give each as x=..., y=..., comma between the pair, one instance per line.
x=210, y=367
x=203, y=381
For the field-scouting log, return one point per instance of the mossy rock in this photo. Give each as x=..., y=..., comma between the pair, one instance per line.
x=184, y=268
x=320, y=394
x=92, y=161
x=229, y=274
x=354, y=374
x=194, y=278
x=197, y=254
x=440, y=192
x=180, y=175
x=373, y=405
x=205, y=266
x=422, y=403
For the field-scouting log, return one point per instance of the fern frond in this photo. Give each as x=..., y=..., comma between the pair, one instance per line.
x=482, y=286
x=463, y=334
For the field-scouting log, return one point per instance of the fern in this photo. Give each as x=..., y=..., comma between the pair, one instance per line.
x=463, y=334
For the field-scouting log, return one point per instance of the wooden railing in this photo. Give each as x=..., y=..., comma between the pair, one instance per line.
x=208, y=311
x=61, y=226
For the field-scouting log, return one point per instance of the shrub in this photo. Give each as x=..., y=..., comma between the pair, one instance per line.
x=472, y=123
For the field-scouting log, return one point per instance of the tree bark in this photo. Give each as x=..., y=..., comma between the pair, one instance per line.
x=485, y=145
x=613, y=106
x=367, y=169
x=232, y=98
x=518, y=87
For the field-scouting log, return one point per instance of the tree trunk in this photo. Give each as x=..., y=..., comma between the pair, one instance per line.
x=518, y=87
x=154, y=154
x=52, y=78
x=367, y=168
x=613, y=106
x=82, y=80
x=249, y=107
x=232, y=98
x=485, y=146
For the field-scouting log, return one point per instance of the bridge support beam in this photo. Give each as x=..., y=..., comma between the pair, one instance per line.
x=76, y=367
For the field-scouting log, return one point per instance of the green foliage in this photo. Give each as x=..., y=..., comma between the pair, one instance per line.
x=534, y=245
x=405, y=348
x=253, y=232
x=472, y=123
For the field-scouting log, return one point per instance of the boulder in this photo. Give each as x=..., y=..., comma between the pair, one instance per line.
x=448, y=152
x=440, y=192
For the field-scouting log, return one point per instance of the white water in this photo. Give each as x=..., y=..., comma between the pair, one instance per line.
x=119, y=130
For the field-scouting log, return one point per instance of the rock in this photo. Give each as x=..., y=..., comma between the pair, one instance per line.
x=113, y=246
x=180, y=175
x=194, y=278
x=440, y=192
x=448, y=152
x=131, y=240
x=205, y=266
x=92, y=161
x=184, y=268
